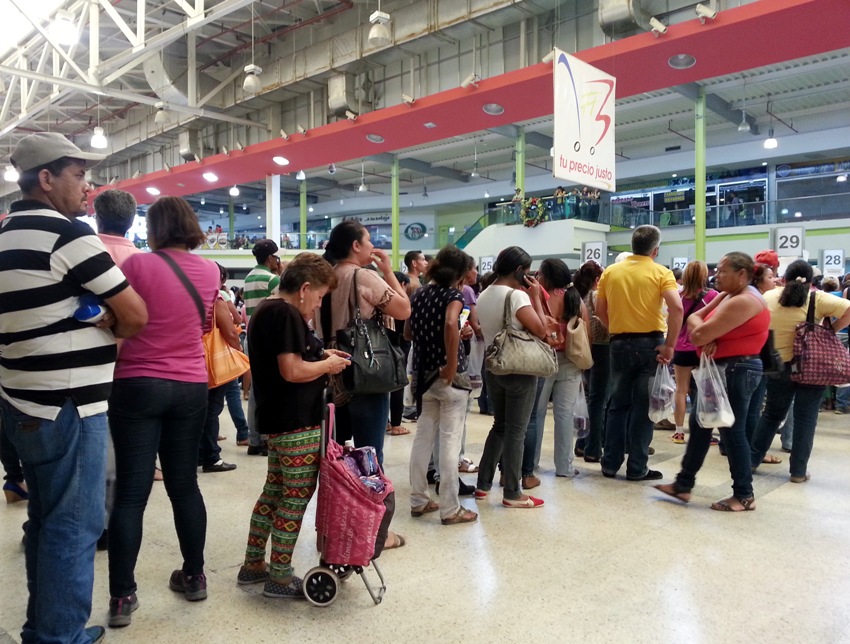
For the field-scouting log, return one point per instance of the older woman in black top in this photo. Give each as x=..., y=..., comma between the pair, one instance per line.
x=290, y=369
x=438, y=360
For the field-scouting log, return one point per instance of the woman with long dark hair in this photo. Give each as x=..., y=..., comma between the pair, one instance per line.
x=363, y=417
x=438, y=359
x=788, y=307
x=511, y=395
x=586, y=281
x=563, y=304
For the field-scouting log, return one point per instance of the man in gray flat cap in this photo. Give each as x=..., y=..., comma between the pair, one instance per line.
x=56, y=376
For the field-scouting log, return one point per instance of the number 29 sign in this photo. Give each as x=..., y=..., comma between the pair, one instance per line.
x=788, y=241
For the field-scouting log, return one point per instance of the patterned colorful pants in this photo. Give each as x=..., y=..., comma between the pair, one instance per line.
x=291, y=481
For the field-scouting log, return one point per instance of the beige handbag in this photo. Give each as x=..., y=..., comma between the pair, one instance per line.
x=577, y=347
x=519, y=352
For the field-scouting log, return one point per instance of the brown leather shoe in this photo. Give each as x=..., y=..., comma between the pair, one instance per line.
x=530, y=482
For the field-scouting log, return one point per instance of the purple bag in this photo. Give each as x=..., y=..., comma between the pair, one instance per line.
x=819, y=356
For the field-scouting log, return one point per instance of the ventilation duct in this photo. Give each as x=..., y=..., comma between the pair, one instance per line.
x=342, y=95
x=190, y=144
x=622, y=17
x=166, y=74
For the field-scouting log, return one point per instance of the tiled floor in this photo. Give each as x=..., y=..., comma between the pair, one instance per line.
x=603, y=561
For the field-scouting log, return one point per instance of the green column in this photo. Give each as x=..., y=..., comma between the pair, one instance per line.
x=396, y=252
x=303, y=232
x=231, y=234
x=520, y=160
x=699, y=175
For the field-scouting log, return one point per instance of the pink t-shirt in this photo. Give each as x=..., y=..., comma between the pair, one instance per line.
x=119, y=248
x=683, y=342
x=169, y=347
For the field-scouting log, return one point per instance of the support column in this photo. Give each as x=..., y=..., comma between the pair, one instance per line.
x=520, y=160
x=192, y=70
x=396, y=251
x=699, y=175
x=302, y=187
x=273, y=208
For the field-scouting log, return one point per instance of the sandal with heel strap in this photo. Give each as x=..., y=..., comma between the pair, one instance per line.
x=747, y=505
x=461, y=516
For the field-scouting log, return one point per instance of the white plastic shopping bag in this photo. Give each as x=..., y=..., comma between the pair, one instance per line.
x=713, y=407
x=661, y=394
x=581, y=415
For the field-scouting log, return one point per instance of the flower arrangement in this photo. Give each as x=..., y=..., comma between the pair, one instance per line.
x=532, y=212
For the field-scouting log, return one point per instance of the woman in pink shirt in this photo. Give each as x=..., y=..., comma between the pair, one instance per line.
x=159, y=402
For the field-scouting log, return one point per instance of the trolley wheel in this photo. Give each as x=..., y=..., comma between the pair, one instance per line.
x=321, y=586
x=342, y=571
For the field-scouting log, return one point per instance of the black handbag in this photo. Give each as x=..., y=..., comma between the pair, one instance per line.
x=772, y=364
x=378, y=364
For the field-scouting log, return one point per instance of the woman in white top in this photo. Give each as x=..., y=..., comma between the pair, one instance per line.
x=511, y=395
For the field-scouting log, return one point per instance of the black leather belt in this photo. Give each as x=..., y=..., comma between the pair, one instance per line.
x=626, y=336
x=733, y=359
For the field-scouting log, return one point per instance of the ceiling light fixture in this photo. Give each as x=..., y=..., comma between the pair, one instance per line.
x=280, y=160
x=379, y=34
x=62, y=28
x=486, y=194
x=705, y=13
x=244, y=206
x=473, y=79
x=221, y=210
x=98, y=139
x=11, y=174
x=475, y=172
x=493, y=109
x=770, y=143
x=152, y=191
x=374, y=138
x=332, y=169
x=161, y=117
x=657, y=27
x=424, y=189
x=744, y=126
x=310, y=209
x=210, y=176
x=841, y=178
x=252, y=83
x=203, y=201
x=681, y=61
x=234, y=191
x=300, y=175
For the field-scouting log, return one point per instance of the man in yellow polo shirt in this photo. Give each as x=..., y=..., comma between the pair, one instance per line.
x=629, y=303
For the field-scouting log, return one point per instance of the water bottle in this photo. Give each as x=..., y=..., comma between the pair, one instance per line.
x=91, y=309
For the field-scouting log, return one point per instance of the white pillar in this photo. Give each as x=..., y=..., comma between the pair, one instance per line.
x=273, y=208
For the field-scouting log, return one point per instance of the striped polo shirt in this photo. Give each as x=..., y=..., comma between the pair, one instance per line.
x=47, y=262
x=259, y=284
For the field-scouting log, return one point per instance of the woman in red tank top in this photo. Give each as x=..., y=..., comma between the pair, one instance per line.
x=732, y=329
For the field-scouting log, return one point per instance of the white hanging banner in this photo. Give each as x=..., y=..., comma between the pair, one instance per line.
x=584, y=123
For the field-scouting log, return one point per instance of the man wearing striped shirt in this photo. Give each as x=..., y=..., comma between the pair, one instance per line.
x=261, y=282
x=56, y=376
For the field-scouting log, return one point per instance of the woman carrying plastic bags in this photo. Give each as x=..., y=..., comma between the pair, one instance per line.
x=731, y=330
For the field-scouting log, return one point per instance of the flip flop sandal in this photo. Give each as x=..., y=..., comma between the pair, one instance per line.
x=397, y=541
x=418, y=511
x=461, y=516
x=726, y=506
x=670, y=490
x=770, y=459
x=398, y=431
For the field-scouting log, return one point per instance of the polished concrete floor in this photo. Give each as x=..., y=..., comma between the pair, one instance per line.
x=603, y=561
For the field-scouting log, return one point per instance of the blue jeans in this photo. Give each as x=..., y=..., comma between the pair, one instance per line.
x=842, y=394
x=742, y=382
x=233, y=396
x=781, y=392
x=9, y=458
x=364, y=419
x=512, y=397
x=64, y=462
x=598, y=393
x=530, y=454
x=628, y=408
x=754, y=412
x=146, y=416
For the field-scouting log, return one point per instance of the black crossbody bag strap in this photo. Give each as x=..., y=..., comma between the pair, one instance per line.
x=187, y=283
